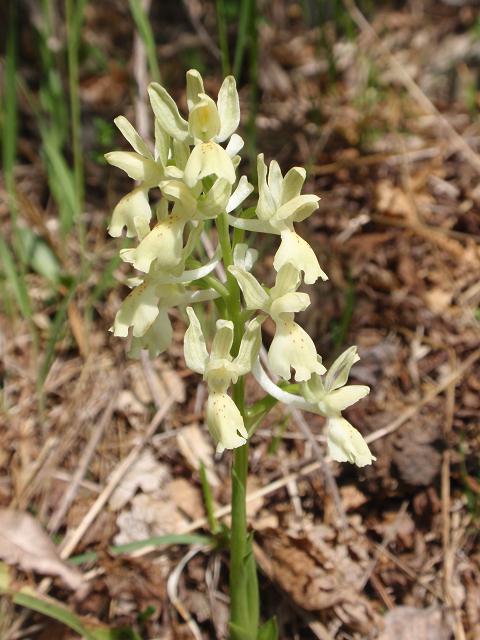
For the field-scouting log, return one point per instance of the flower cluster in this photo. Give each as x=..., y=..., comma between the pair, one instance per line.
x=193, y=166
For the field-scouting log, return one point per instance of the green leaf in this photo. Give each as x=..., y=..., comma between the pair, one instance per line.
x=56, y=330
x=47, y=606
x=38, y=254
x=208, y=501
x=52, y=609
x=269, y=630
x=155, y=541
x=15, y=280
x=239, y=633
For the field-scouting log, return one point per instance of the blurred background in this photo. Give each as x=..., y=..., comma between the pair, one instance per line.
x=380, y=102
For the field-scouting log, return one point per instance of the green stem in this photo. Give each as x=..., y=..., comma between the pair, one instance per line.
x=244, y=597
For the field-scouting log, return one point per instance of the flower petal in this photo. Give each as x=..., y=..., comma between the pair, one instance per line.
x=204, y=121
x=207, y=159
x=177, y=191
x=248, y=224
x=225, y=422
x=228, y=108
x=222, y=340
x=156, y=339
x=313, y=390
x=194, y=87
x=243, y=190
x=234, y=145
x=292, y=184
x=255, y=296
x=136, y=166
x=133, y=137
x=287, y=280
x=212, y=205
x=292, y=302
x=275, y=181
x=266, y=206
x=164, y=244
x=138, y=310
x=249, y=347
x=346, y=444
x=132, y=209
x=296, y=251
x=292, y=348
x=339, y=371
x=297, y=209
x=162, y=144
x=344, y=397
x=194, y=347
x=166, y=112
x=244, y=257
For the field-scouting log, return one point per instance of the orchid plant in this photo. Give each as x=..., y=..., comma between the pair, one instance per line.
x=194, y=164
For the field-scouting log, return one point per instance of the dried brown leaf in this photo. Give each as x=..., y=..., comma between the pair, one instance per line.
x=405, y=623
x=196, y=449
x=146, y=473
x=318, y=573
x=23, y=542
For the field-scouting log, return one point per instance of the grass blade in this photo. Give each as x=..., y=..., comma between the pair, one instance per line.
x=155, y=541
x=223, y=37
x=244, y=23
x=144, y=28
x=56, y=610
x=55, y=333
x=16, y=281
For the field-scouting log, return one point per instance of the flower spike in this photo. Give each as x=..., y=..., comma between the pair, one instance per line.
x=192, y=166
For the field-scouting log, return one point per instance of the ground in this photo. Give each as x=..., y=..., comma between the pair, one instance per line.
x=381, y=106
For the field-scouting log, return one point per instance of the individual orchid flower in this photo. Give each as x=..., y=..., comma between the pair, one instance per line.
x=332, y=395
x=164, y=242
x=208, y=125
x=145, y=308
x=331, y=392
x=280, y=204
x=141, y=165
x=291, y=346
x=328, y=396
x=220, y=370
x=200, y=204
x=346, y=444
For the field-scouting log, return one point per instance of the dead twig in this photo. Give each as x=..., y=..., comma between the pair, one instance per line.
x=448, y=547
x=72, y=540
x=70, y=493
x=172, y=590
x=140, y=73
